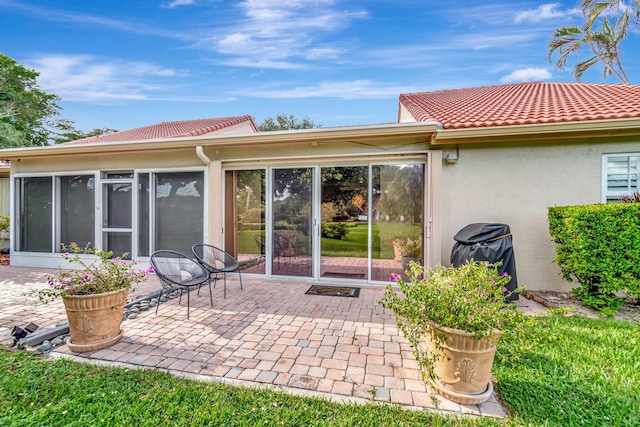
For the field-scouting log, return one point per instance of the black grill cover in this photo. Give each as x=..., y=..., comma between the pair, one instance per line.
x=487, y=242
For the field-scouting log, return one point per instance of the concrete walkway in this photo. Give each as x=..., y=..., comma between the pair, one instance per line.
x=268, y=334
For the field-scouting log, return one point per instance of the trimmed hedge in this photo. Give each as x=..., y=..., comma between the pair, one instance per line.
x=599, y=247
x=334, y=230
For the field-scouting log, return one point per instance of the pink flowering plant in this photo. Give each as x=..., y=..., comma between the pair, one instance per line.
x=105, y=274
x=471, y=298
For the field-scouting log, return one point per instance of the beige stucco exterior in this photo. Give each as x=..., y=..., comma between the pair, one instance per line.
x=503, y=178
x=515, y=184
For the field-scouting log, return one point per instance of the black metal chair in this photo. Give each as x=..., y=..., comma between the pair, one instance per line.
x=217, y=261
x=177, y=271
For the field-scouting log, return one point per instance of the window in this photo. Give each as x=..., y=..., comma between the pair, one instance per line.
x=34, y=215
x=77, y=209
x=179, y=210
x=621, y=175
x=168, y=208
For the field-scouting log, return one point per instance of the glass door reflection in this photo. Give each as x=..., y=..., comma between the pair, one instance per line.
x=292, y=227
x=344, y=226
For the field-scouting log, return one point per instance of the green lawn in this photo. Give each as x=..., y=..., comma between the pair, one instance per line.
x=64, y=393
x=354, y=245
x=560, y=371
x=572, y=371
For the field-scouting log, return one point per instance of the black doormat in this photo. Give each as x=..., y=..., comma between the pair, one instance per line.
x=333, y=291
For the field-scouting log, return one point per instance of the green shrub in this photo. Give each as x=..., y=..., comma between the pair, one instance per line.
x=252, y=215
x=251, y=226
x=334, y=230
x=4, y=223
x=599, y=246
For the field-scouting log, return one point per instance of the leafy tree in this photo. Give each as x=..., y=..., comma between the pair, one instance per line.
x=286, y=122
x=24, y=108
x=63, y=130
x=341, y=185
x=605, y=26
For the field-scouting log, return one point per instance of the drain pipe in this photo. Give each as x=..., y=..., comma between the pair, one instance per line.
x=215, y=193
x=201, y=155
x=49, y=334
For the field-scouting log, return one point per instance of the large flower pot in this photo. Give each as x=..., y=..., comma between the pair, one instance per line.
x=396, y=251
x=463, y=366
x=94, y=320
x=405, y=260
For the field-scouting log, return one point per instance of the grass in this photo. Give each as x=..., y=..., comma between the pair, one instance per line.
x=560, y=371
x=572, y=371
x=354, y=245
x=64, y=393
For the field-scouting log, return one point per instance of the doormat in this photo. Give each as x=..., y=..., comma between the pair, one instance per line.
x=343, y=275
x=333, y=291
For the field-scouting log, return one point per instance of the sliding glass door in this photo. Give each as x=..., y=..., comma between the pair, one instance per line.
x=245, y=220
x=397, y=219
x=292, y=222
x=344, y=227
x=353, y=222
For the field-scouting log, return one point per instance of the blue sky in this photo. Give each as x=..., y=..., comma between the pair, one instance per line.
x=125, y=64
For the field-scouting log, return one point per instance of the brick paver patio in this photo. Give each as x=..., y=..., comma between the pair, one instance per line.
x=268, y=334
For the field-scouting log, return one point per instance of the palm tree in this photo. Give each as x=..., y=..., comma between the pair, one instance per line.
x=603, y=42
x=593, y=9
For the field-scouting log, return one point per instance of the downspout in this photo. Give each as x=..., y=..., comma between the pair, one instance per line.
x=201, y=155
x=213, y=221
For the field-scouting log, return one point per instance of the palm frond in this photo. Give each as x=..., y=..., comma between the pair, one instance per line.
x=581, y=67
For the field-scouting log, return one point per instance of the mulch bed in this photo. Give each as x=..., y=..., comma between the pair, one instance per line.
x=4, y=259
x=630, y=310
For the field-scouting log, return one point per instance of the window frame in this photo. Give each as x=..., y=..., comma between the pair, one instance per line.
x=100, y=177
x=609, y=196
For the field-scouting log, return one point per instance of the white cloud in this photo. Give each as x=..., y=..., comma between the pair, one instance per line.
x=176, y=3
x=282, y=34
x=544, y=12
x=93, y=20
x=527, y=75
x=262, y=64
x=357, y=89
x=89, y=78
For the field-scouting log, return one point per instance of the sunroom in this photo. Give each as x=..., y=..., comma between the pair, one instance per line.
x=318, y=205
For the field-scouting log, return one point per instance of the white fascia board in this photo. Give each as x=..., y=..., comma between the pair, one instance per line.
x=391, y=130
x=615, y=127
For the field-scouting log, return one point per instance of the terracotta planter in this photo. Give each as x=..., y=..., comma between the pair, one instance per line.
x=94, y=320
x=396, y=251
x=463, y=369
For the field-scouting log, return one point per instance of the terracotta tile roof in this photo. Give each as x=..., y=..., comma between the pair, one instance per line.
x=524, y=103
x=169, y=130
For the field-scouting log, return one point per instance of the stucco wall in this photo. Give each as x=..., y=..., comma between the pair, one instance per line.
x=515, y=184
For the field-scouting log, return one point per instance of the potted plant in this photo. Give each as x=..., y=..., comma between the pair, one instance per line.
x=410, y=249
x=94, y=296
x=453, y=317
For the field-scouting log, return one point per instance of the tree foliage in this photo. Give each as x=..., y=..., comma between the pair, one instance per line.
x=605, y=26
x=64, y=130
x=286, y=122
x=24, y=107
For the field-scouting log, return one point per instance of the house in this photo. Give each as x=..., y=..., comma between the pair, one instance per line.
x=4, y=201
x=278, y=200
x=182, y=128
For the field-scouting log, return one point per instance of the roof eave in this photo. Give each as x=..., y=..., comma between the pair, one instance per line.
x=279, y=137
x=591, y=128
